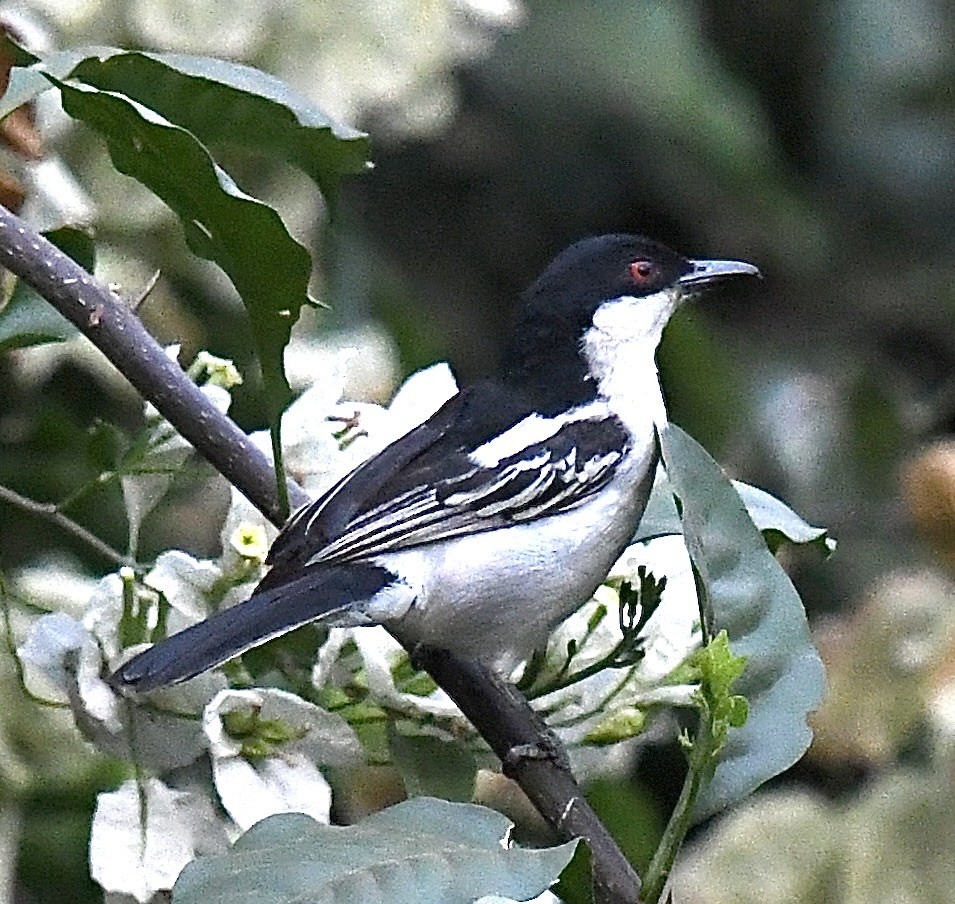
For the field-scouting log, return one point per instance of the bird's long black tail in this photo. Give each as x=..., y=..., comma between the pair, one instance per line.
x=313, y=593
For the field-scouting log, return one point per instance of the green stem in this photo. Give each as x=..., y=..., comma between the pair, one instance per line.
x=275, y=432
x=605, y=662
x=698, y=775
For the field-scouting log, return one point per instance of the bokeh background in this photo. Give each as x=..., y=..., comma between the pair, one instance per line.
x=815, y=139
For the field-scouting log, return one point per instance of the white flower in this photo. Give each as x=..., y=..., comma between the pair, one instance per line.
x=674, y=631
x=379, y=651
x=132, y=857
x=185, y=582
x=612, y=700
x=287, y=736
x=54, y=646
x=104, y=609
x=56, y=584
x=63, y=662
x=420, y=396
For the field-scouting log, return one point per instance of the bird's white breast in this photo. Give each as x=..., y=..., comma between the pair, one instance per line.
x=620, y=349
x=497, y=595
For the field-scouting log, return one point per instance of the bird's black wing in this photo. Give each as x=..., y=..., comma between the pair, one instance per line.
x=425, y=487
x=420, y=489
x=436, y=449
x=298, y=590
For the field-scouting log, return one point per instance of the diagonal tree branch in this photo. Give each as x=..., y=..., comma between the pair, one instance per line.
x=496, y=709
x=119, y=334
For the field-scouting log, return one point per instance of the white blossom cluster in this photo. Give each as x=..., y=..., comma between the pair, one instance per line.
x=221, y=755
x=390, y=57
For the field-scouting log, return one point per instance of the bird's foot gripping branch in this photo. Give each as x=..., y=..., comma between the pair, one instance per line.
x=501, y=522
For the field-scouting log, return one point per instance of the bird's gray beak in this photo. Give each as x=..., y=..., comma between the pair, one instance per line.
x=705, y=273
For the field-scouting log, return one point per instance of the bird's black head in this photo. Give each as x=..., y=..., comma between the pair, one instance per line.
x=544, y=355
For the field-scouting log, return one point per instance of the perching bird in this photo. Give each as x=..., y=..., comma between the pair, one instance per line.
x=484, y=527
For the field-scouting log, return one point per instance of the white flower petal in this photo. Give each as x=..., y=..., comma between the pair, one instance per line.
x=127, y=857
x=44, y=654
x=250, y=792
x=218, y=395
x=328, y=656
x=62, y=662
x=420, y=396
x=104, y=612
x=184, y=581
x=378, y=651
x=319, y=735
x=288, y=781
x=56, y=584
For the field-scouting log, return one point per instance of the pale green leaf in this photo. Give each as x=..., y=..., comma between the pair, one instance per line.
x=751, y=597
x=777, y=522
x=421, y=850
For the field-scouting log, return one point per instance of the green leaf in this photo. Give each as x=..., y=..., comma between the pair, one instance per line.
x=245, y=237
x=777, y=521
x=160, y=113
x=432, y=766
x=224, y=102
x=576, y=885
x=420, y=850
x=28, y=319
x=219, y=101
x=753, y=599
x=620, y=725
x=720, y=667
x=661, y=517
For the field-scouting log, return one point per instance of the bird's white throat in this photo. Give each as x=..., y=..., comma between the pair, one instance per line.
x=620, y=348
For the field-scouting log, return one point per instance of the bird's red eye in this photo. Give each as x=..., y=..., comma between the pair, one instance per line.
x=643, y=271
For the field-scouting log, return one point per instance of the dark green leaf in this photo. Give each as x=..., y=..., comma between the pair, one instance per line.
x=27, y=319
x=753, y=599
x=245, y=237
x=158, y=114
x=421, y=850
x=432, y=766
x=631, y=814
x=219, y=101
x=576, y=881
x=224, y=102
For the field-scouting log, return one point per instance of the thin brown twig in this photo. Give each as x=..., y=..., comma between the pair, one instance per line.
x=50, y=512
